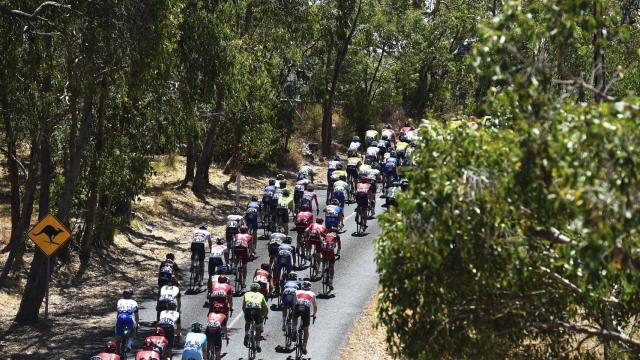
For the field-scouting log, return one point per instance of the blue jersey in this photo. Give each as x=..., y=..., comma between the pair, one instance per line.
x=253, y=205
x=292, y=284
x=269, y=189
x=285, y=250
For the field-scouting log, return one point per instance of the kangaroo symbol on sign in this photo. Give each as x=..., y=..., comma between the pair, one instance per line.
x=51, y=232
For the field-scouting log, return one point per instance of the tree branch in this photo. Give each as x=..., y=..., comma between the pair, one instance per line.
x=599, y=333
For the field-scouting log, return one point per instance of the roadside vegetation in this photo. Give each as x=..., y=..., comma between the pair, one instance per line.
x=518, y=237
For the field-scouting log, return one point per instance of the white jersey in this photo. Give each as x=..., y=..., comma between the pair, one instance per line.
x=169, y=317
x=334, y=164
x=234, y=221
x=372, y=151
x=127, y=306
x=218, y=250
x=355, y=146
x=277, y=238
x=302, y=184
x=388, y=132
x=200, y=236
x=169, y=292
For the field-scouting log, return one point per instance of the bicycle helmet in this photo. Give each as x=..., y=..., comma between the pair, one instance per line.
x=202, y=226
x=342, y=177
x=254, y=198
x=363, y=178
x=255, y=287
x=287, y=240
x=221, y=269
x=220, y=241
x=385, y=137
x=355, y=139
x=367, y=161
x=110, y=347
x=319, y=221
x=264, y=266
x=285, y=192
x=147, y=344
x=222, y=279
x=170, y=256
x=196, y=327
x=292, y=276
x=393, y=153
x=374, y=143
x=335, y=202
x=401, y=137
x=244, y=229
x=305, y=285
x=158, y=331
x=339, y=166
x=280, y=177
x=310, y=187
x=372, y=127
x=272, y=182
x=127, y=294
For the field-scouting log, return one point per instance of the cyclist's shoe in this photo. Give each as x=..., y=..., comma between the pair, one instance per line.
x=258, y=348
x=304, y=351
x=283, y=327
x=246, y=340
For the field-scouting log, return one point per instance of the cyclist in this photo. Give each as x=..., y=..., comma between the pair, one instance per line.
x=160, y=342
x=401, y=147
x=200, y=235
x=242, y=249
x=298, y=192
x=390, y=169
x=286, y=259
x=353, y=163
x=407, y=128
x=306, y=172
x=169, y=294
x=148, y=351
x=168, y=272
x=218, y=256
x=355, y=144
x=305, y=300
x=314, y=235
x=255, y=309
x=263, y=277
x=279, y=178
x=332, y=167
x=330, y=244
x=213, y=280
x=216, y=329
x=170, y=323
x=274, y=243
x=221, y=298
x=340, y=189
x=372, y=152
x=333, y=215
x=303, y=220
x=310, y=196
x=383, y=147
x=289, y=289
x=234, y=222
x=127, y=317
x=195, y=343
x=388, y=131
x=109, y=352
x=252, y=214
x=285, y=206
x=339, y=171
x=267, y=198
x=370, y=135
x=364, y=168
x=363, y=189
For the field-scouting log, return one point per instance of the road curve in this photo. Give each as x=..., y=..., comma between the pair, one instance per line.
x=355, y=282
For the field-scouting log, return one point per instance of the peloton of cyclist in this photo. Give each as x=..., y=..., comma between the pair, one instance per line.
x=200, y=236
x=355, y=144
x=218, y=256
x=304, y=218
x=309, y=197
x=388, y=131
x=127, y=317
x=254, y=307
x=298, y=192
x=363, y=195
x=170, y=323
x=339, y=171
x=305, y=301
x=274, y=243
x=267, y=198
x=353, y=163
x=372, y=152
x=195, y=343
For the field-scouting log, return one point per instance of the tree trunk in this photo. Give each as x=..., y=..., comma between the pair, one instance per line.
x=94, y=176
x=201, y=179
x=12, y=163
x=36, y=283
x=191, y=160
x=598, y=54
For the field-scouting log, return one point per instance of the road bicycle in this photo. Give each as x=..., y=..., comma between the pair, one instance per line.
x=371, y=210
x=122, y=348
x=300, y=341
x=252, y=339
x=313, y=266
x=238, y=282
x=325, y=277
x=361, y=219
x=289, y=332
x=195, y=276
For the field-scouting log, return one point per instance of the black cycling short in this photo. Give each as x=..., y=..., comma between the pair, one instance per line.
x=214, y=262
x=164, y=304
x=214, y=336
x=374, y=187
x=256, y=315
x=197, y=248
x=304, y=312
x=163, y=281
x=362, y=199
x=283, y=216
x=273, y=250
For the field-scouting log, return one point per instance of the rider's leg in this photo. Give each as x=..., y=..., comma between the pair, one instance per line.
x=306, y=337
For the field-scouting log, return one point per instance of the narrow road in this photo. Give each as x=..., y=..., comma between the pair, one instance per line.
x=355, y=282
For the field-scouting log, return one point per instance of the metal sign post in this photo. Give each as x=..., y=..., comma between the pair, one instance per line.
x=238, y=189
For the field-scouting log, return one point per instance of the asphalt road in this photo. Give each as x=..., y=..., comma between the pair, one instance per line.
x=355, y=282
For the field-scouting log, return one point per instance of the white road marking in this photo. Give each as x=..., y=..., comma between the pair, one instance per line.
x=234, y=321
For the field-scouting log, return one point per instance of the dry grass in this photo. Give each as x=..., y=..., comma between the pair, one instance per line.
x=366, y=342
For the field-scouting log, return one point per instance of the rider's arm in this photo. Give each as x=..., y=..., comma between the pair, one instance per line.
x=315, y=306
x=230, y=301
x=339, y=243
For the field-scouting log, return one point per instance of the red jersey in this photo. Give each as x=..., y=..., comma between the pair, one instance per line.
x=215, y=321
x=243, y=240
x=304, y=217
x=329, y=245
x=406, y=129
x=363, y=187
x=161, y=342
x=305, y=298
x=316, y=231
x=147, y=355
x=262, y=272
x=107, y=356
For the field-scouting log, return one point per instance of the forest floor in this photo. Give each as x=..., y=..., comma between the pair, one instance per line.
x=82, y=300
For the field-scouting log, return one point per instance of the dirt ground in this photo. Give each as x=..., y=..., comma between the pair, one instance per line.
x=82, y=301
x=366, y=342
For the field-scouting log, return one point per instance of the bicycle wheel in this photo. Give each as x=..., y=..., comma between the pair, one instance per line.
x=287, y=332
x=237, y=282
x=252, y=341
x=312, y=267
x=299, y=345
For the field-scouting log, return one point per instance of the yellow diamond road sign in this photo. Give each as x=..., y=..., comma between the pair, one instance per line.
x=49, y=234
